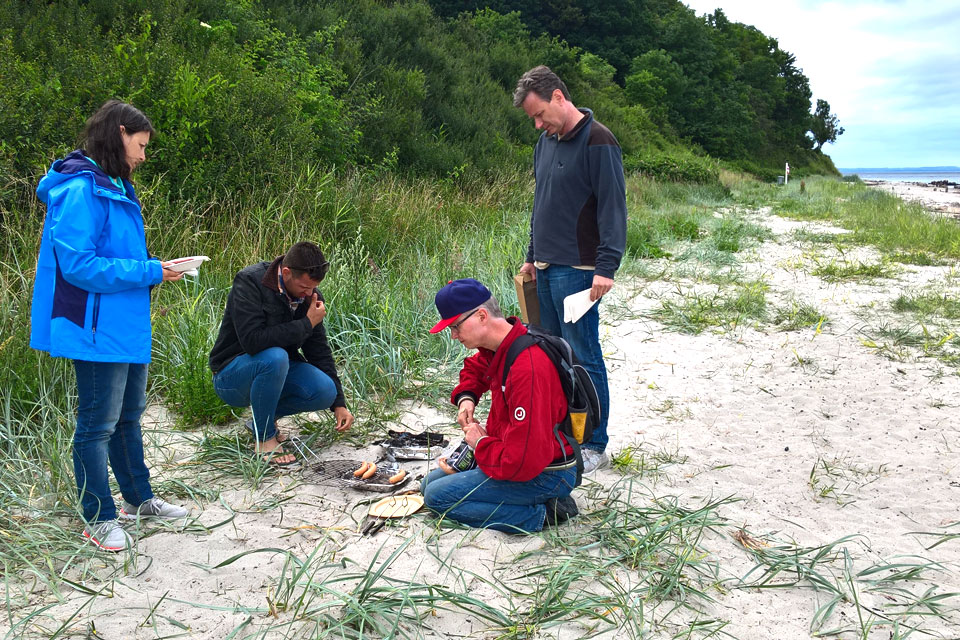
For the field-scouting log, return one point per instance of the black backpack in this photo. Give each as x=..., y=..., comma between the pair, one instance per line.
x=583, y=404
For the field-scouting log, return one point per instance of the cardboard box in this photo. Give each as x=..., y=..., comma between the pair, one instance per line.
x=527, y=297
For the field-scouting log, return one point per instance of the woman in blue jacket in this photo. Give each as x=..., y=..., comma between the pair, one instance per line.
x=91, y=303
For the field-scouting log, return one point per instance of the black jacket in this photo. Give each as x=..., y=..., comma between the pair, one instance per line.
x=258, y=317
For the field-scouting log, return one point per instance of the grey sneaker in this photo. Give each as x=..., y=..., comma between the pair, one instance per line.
x=108, y=535
x=152, y=508
x=593, y=460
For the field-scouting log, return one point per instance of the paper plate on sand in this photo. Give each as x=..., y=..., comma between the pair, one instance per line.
x=191, y=263
x=396, y=506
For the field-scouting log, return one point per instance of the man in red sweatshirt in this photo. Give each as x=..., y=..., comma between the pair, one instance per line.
x=524, y=474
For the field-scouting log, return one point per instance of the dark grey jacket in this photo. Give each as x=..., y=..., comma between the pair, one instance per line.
x=580, y=203
x=258, y=317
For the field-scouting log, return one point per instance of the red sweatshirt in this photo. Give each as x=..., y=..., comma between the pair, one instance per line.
x=520, y=441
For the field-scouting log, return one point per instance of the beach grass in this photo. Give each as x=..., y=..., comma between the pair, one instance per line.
x=874, y=217
x=915, y=340
x=693, y=311
x=797, y=314
x=847, y=270
x=931, y=303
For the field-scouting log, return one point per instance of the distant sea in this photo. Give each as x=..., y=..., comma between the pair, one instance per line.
x=913, y=174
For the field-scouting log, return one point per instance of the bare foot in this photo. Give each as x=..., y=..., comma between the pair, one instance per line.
x=272, y=451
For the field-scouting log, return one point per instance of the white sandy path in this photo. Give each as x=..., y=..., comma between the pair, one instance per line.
x=749, y=418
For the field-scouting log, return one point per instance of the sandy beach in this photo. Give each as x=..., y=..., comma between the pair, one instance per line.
x=828, y=437
x=942, y=199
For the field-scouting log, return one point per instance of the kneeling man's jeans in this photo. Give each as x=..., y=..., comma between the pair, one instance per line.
x=477, y=500
x=274, y=386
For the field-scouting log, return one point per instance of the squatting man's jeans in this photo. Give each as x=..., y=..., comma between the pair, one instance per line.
x=274, y=386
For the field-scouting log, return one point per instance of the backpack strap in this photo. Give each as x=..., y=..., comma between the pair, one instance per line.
x=526, y=341
x=577, y=453
x=519, y=345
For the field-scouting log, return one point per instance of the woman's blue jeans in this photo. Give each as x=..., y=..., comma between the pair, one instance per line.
x=111, y=397
x=477, y=500
x=274, y=386
x=555, y=283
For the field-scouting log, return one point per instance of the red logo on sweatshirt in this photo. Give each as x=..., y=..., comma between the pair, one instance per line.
x=520, y=413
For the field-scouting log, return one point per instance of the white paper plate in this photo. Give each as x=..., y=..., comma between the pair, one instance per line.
x=191, y=263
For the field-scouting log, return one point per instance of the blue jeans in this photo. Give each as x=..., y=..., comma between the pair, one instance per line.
x=477, y=500
x=274, y=386
x=555, y=283
x=111, y=397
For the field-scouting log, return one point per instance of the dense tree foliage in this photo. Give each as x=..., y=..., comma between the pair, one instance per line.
x=246, y=92
x=724, y=86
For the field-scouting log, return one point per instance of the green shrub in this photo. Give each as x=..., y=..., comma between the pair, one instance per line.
x=675, y=168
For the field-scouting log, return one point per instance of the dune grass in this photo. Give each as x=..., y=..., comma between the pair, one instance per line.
x=875, y=217
x=693, y=311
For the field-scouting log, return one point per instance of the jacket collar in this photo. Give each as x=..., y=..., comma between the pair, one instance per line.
x=573, y=133
x=270, y=277
x=76, y=162
x=496, y=363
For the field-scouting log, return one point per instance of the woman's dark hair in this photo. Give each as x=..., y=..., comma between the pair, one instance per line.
x=102, y=140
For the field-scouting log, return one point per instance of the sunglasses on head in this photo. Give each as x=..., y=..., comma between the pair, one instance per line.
x=314, y=272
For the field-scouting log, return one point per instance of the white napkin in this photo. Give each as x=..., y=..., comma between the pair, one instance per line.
x=577, y=304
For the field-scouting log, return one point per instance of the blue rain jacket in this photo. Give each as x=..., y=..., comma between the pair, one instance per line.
x=91, y=295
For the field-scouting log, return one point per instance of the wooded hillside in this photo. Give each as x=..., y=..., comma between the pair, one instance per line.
x=242, y=92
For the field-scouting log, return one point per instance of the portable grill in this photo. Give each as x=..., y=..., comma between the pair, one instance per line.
x=340, y=472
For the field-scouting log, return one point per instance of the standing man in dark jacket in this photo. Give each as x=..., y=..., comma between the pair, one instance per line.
x=578, y=228
x=272, y=351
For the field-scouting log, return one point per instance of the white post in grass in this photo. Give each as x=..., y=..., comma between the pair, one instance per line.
x=786, y=173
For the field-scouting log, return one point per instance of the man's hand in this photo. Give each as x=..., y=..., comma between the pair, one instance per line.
x=472, y=434
x=529, y=268
x=465, y=412
x=316, y=311
x=600, y=287
x=442, y=463
x=343, y=417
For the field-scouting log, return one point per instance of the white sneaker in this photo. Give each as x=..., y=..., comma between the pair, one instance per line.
x=593, y=460
x=108, y=535
x=152, y=508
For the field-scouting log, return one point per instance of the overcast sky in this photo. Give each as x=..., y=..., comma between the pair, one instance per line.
x=890, y=70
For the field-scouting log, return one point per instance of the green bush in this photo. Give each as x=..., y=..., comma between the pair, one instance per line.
x=675, y=168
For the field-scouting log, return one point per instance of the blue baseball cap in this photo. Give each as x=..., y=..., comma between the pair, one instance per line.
x=456, y=298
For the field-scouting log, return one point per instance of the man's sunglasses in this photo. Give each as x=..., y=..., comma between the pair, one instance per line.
x=314, y=272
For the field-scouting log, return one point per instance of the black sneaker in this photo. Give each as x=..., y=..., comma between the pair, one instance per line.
x=559, y=510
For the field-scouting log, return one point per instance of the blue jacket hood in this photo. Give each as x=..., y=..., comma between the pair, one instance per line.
x=74, y=165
